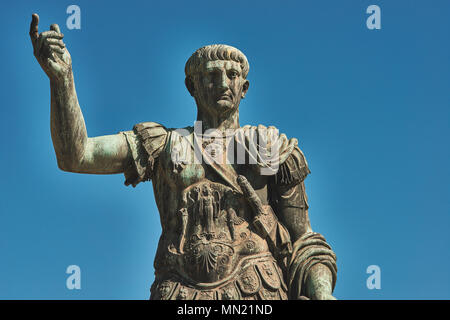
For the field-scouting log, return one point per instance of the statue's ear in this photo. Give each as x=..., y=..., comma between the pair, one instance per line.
x=190, y=85
x=245, y=88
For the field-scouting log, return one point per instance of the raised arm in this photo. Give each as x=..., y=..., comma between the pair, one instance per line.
x=75, y=151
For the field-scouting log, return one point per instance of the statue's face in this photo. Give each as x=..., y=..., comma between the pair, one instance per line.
x=206, y=190
x=219, y=86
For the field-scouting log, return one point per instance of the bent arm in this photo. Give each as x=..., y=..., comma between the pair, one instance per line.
x=75, y=151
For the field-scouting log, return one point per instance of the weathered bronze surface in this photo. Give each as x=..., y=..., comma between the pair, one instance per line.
x=234, y=225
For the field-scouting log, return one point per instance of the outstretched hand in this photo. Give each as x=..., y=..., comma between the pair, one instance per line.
x=49, y=50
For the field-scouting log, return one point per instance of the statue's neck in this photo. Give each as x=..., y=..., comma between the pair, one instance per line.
x=221, y=122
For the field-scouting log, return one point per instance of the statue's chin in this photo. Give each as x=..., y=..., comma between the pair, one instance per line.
x=224, y=105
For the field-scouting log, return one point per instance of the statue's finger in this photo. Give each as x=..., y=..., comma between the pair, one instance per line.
x=57, y=49
x=34, y=33
x=51, y=34
x=55, y=27
x=53, y=41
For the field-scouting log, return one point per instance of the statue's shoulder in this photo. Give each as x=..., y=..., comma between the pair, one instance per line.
x=150, y=130
x=264, y=130
x=156, y=138
x=152, y=136
x=145, y=141
x=291, y=164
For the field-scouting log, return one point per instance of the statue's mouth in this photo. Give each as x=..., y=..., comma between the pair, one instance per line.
x=225, y=97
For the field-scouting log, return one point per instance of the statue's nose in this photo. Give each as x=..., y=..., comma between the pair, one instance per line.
x=223, y=81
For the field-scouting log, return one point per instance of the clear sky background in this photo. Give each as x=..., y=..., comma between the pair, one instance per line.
x=370, y=109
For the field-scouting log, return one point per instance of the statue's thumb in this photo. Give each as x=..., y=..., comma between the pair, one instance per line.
x=55, y=27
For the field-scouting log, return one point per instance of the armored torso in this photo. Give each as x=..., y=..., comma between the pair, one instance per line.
x=209, y=247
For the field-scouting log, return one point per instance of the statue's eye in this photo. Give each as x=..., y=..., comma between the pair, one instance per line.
x=233, y=74
x=213, y=74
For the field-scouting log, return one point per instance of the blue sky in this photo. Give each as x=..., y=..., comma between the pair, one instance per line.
x=370, y=109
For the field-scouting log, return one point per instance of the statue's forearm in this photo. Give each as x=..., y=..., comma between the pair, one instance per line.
x=67, y=123
x=319, y=283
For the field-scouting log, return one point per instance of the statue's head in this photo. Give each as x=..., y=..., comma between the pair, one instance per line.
x=216, y=76
x=206, y=190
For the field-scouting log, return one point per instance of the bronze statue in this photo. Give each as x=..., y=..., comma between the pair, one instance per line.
x=232, y=199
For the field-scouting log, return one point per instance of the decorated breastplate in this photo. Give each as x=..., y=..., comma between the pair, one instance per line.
x=208, y=234
x=214, y=234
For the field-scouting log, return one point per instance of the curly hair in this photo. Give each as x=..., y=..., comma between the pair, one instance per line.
x=216, y=52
